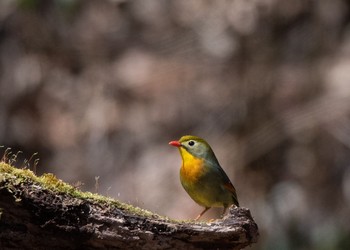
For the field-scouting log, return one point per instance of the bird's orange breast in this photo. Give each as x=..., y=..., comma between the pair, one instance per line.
x=192, y=167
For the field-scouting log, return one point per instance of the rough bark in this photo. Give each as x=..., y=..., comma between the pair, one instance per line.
x=33, y=217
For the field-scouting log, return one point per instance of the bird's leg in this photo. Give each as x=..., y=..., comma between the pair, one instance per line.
x=200, y=215
x=223, y=212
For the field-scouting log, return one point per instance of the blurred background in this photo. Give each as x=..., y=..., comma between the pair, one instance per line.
x=99, y=87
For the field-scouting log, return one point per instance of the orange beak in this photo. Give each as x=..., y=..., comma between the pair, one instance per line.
x=175, y=144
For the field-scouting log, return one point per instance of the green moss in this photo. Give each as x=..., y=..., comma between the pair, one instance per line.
x=51, y=182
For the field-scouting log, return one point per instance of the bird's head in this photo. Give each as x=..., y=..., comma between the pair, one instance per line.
x=196, y=146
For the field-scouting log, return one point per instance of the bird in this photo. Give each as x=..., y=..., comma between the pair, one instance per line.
x=202, y=176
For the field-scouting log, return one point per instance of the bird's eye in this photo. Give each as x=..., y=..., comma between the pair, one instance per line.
x=191, y=143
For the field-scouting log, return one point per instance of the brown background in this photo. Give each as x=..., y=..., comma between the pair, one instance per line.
x=98, y=88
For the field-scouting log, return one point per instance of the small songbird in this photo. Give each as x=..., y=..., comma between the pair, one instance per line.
x=202, y=176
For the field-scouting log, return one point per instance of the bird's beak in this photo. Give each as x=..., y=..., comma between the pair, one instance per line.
x=175, y=144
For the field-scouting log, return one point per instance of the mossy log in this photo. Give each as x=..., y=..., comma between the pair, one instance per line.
x=41, y=213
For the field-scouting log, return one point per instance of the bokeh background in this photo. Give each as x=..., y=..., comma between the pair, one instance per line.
x=99, y=87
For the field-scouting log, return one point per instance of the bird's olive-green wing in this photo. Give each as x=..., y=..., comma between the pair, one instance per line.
x=224, y=178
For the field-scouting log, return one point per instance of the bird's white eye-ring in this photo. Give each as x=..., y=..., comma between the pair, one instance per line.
x=191, y=143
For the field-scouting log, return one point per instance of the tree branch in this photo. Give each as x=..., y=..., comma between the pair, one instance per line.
x=35, y=216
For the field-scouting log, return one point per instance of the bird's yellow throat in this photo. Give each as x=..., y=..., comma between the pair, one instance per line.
x=192, y=167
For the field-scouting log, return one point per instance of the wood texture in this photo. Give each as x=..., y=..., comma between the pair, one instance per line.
x=32, y=217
